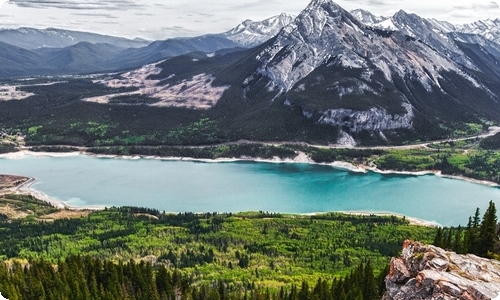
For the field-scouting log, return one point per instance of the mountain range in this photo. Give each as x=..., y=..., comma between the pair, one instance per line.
x=360, y=79
x=355, y=76
x=29, y=52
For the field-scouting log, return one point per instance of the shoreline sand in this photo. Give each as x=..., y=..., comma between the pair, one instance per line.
x=300, y=158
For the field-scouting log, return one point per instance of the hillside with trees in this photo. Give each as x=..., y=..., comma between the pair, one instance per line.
x=142, y=253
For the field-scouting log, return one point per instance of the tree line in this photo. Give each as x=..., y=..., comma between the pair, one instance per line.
x=480, y=237
x=87, y=277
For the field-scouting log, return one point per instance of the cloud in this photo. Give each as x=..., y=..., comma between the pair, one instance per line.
x=177, y=29
x=79, y=4
x=107, y=16
x=487, y=5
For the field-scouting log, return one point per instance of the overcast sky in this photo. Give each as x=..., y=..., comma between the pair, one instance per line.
x=160, y=19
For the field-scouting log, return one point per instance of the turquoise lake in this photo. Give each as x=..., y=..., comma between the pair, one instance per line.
x=180, y=186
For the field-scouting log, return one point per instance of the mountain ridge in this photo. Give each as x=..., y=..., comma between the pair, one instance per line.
x=325, y=74
x=32, y=38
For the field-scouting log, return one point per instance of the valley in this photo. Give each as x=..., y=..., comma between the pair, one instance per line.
x=288, y=158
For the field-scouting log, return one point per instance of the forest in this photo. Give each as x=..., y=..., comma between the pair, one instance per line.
x=78, y=277
x=252, y=255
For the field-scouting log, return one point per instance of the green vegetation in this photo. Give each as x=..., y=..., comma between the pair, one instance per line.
x=492, y=142
x=262, y=249
x=224, y=151
x=26, y=206
x=93, y=278
x=479, y=237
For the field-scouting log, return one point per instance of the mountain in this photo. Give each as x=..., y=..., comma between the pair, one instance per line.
x=56, y=51
x=160, y=50
x=85, y=57
x=80, y=58
x=251, y=34
x=30, y=38
x=489, y=29
x=341, y=73
x=367, y=17
x=325, y=76
x=362, y=83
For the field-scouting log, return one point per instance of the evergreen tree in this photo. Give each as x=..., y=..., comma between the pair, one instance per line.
x=438, y=239
x=468, y=237
x=458, y=241
x=369, y=285
x=487, y=231
x=448, y=240
x=474, y=234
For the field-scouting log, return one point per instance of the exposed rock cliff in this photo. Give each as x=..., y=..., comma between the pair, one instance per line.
x=427, y=272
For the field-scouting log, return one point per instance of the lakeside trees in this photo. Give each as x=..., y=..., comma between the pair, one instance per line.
x=480, y=237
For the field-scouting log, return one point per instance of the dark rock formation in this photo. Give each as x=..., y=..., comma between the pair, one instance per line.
x=427, y=272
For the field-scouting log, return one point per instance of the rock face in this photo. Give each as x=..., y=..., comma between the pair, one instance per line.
x=427, y=272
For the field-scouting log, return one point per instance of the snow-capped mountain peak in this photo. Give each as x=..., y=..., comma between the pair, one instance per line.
x=325, y=31
x=252, y=33
x=306, y=43
x=489, y=29
x=367, y=17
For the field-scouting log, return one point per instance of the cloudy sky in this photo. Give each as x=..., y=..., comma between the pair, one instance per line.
x=160, y=19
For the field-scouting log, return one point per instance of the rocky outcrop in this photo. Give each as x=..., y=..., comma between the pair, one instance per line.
x=427, y=272
x=372, y=119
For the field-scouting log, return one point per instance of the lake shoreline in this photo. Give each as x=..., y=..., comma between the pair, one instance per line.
x=302, y=158
x=26, y=189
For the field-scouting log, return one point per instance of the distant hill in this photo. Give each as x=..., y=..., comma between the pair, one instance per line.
x=31, y=38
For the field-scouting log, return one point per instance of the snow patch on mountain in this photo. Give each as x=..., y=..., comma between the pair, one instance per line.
x=251, y=33
x=356, y=87
x=367, y=17
x=489, y=29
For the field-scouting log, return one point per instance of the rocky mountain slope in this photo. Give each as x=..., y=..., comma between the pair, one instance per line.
x=343, y=73
x=361, y=82
x=326, y=74
x=427, y=272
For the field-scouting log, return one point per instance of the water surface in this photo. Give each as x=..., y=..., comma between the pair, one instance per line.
x=179, y=186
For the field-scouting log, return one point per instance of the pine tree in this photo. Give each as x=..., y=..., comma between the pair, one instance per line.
x=369, y=285
x=487, y=231
x=474, y=234
x=468, y=237
x=457, y=241
x=448, y=238
x=438, y=239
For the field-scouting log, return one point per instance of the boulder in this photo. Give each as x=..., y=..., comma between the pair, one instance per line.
x=426, y=272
